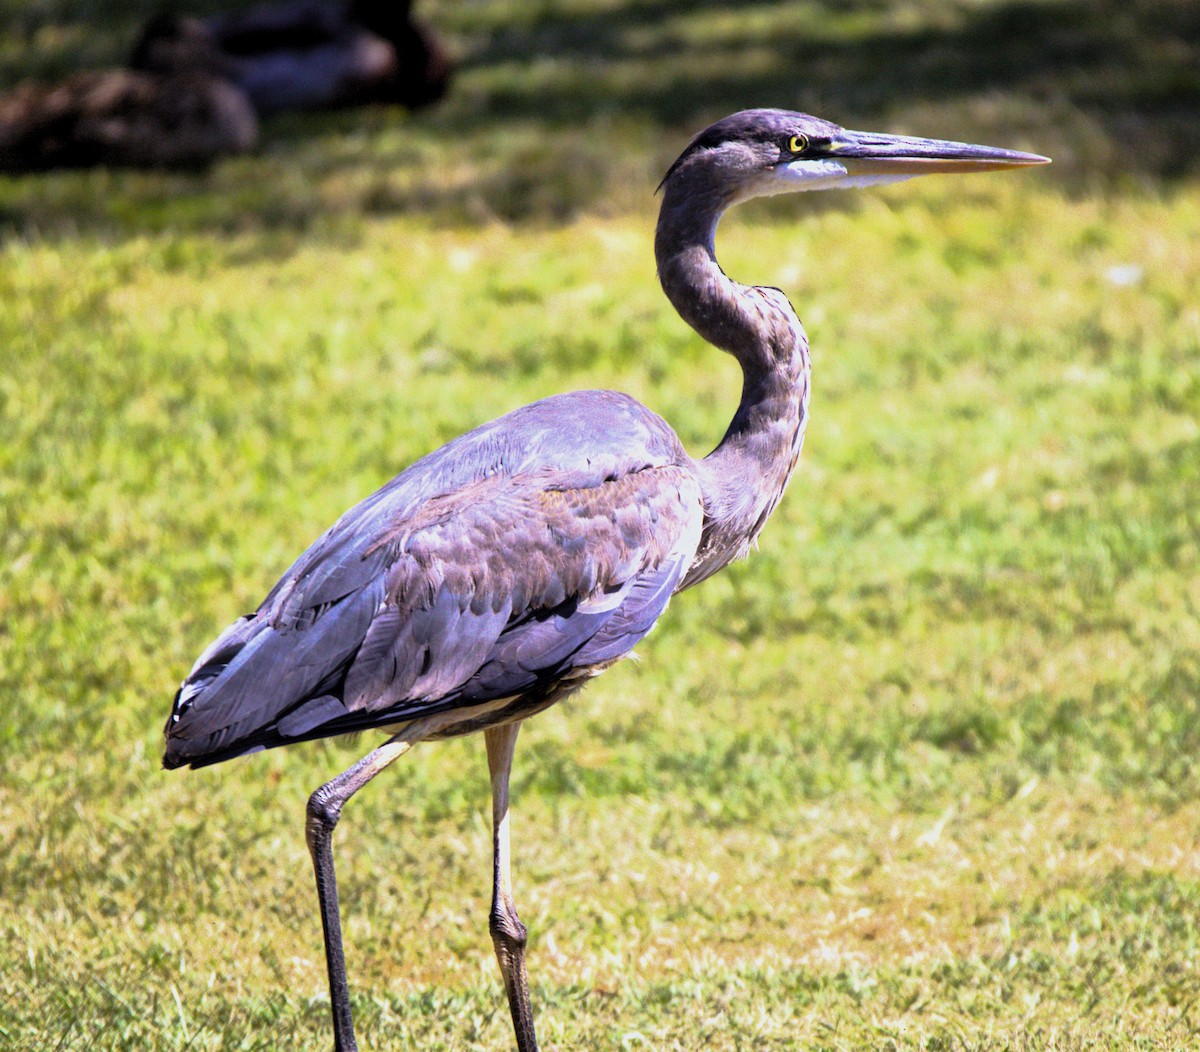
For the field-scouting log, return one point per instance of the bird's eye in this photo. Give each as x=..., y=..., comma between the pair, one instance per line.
x=798, y=143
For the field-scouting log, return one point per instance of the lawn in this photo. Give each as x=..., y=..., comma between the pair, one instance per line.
x=920, y=774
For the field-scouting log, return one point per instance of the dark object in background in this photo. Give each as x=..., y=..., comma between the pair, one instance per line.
x=123, y=117
x=306, y=55
x=197, y=87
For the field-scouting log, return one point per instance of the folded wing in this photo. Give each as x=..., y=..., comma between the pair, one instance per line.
x=494, y=588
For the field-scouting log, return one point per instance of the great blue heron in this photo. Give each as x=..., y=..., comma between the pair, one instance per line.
x=496, y=575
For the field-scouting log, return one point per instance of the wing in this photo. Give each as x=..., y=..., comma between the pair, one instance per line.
x=496, y=588
x=588, y=435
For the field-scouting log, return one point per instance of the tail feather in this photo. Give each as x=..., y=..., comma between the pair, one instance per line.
x=256, y=675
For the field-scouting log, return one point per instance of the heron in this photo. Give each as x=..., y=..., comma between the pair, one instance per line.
x=496, y=575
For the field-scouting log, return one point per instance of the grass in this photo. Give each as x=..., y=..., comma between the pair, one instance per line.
x=918, y=775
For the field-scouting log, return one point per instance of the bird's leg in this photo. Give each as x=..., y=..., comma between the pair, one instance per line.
x=508, y=933
x=324, y=810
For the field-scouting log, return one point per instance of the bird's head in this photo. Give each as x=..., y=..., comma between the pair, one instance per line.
x=758, y=152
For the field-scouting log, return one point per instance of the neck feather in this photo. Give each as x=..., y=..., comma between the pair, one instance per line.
x=744, y=477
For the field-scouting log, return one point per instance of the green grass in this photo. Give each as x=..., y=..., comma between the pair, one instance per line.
x=918, y=775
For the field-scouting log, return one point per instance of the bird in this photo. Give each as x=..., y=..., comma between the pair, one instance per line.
x=498, y=574
x=122, y=117
x=305, y=54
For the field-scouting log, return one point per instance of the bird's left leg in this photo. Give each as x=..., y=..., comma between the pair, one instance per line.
x=324, y=810
x=508, y=933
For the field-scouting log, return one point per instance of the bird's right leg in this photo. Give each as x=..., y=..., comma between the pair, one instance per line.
x=508, y=933
x=324, y=810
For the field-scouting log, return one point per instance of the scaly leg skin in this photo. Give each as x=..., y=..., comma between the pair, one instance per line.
x=324, y=810
x=508, y=933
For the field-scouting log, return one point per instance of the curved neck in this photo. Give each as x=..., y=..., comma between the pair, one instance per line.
x=744, y=477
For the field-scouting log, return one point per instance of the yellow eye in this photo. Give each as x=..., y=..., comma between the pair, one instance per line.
x=798, y=143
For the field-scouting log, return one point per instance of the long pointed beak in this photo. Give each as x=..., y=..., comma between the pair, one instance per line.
x=872, y=154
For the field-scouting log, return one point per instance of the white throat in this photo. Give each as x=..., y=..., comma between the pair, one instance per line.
x=823, y=174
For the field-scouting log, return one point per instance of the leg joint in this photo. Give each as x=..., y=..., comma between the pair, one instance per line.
x=324, y=809
x=506, y=926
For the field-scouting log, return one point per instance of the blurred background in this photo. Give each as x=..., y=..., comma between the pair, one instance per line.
x=919, y=774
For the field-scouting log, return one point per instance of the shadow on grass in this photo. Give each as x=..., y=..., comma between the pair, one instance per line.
x=575, y=107
x=1130, y=65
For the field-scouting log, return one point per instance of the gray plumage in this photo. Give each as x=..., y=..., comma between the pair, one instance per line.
x=497, y=574
x=510, y=559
